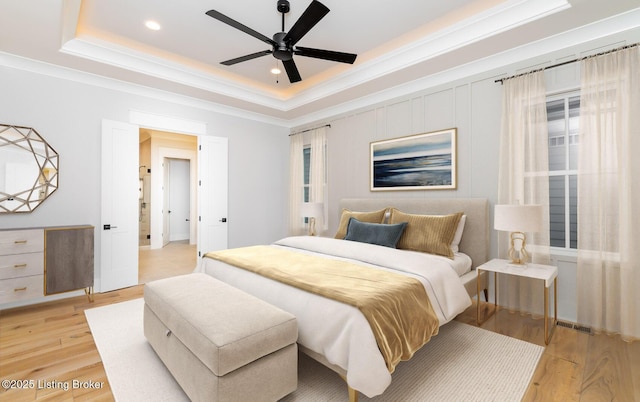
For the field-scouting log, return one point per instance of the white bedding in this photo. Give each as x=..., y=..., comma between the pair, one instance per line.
x=461, y=263
x=338, y=331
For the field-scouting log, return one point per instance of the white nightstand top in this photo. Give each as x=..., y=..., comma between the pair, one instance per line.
x=537, y=271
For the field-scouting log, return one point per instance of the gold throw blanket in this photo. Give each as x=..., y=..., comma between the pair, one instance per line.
x=396, y=306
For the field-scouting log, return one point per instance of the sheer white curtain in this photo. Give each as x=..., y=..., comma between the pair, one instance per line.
x=317, y=168
x=608, y=275
x=317, y=172
x=524, y=175
x=296, y=184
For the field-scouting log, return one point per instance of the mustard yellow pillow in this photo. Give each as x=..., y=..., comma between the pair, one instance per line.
x=370, y=217
x=427, y=233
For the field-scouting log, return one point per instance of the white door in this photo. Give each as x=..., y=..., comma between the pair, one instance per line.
x=119, y=237
x=212, y=194
x=166, y=211
x=179, y=200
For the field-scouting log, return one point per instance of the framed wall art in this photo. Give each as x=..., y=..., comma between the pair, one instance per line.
x=418, y=162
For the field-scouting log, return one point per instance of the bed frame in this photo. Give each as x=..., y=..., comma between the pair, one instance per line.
x=474, y=243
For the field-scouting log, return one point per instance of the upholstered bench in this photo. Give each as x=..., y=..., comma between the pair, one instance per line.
x=220, y=343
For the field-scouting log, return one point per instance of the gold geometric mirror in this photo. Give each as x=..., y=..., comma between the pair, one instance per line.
x=28, y=169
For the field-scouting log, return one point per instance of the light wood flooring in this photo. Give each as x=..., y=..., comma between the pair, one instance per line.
x=52, y=341
x=176, y=258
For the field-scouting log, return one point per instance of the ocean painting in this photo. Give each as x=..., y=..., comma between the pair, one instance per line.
x=419, y=162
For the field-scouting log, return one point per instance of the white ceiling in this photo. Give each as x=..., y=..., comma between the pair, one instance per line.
x=397, y=42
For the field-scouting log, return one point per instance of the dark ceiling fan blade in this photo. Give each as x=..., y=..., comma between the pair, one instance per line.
x=326, y=54
x=292, y=70
x=223, y=18
x=311, y=16
x=245, y=58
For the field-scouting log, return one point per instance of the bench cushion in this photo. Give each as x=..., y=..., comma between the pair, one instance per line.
x=224, y=327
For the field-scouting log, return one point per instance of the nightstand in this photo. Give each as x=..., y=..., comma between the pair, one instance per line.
x=546, y=273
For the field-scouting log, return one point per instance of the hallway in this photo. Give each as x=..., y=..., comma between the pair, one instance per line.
x=176, y=258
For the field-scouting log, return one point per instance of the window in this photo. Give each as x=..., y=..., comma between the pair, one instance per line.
x=306, y=161
x=563, y=113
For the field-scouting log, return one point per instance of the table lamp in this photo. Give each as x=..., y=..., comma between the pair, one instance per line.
x=312, y=210
x=518, y=219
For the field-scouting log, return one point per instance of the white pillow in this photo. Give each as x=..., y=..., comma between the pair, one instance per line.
x=458, y=236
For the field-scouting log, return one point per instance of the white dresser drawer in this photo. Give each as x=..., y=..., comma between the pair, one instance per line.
x=19, y=265
x=21, y=241
x=21, y=288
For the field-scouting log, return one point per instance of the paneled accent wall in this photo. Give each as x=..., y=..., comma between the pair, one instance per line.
x=472, y=107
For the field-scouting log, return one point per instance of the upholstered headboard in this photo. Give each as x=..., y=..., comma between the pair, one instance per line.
x=475, y=238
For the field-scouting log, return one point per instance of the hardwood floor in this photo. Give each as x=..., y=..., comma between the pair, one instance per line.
x=52, y=342
x=575, y=366
x=176, y=258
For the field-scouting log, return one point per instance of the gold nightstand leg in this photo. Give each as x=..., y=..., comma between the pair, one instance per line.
x=548, y=334
x=478, y=296
x=546, y=314
x=495, y=299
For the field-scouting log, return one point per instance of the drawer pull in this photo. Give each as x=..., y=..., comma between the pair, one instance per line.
x=20, y=242
x=20, y=289
x=20, y=266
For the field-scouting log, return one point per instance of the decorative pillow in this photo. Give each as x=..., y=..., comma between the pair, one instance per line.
x=458, y=236
x=371, y=217
x=375, y=233
x=427, y=233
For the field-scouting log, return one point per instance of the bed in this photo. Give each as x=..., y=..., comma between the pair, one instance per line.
x=337, y=334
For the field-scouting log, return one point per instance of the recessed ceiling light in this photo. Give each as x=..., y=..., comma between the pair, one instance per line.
x=154, y=26
x=275, y=71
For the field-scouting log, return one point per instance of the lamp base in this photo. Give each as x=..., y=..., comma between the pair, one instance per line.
x=312, y=226
x=518, y=258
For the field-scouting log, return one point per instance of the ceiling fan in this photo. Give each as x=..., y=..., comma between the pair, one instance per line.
x=283, y=43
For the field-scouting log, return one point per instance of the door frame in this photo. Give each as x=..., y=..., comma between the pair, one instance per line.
x=156, y=122
x=176, y=125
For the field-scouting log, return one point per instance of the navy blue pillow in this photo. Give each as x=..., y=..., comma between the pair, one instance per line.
x=375, y=233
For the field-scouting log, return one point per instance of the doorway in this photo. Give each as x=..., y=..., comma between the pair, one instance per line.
x=168, y=204
x=120, y=144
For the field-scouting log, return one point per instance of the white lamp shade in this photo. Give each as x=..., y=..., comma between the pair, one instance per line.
x=518, y=218
x=311, y=210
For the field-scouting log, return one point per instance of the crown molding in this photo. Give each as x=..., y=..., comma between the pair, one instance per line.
x=494, y=21
x=498, y=19
x=494, y=65
x=39, y=67
x=498, y=64
x=123, y=57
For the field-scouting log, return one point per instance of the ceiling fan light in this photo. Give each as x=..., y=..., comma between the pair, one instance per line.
x=152, y=25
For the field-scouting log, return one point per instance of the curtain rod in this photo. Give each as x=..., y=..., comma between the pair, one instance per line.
x=501, y=80
x=309, y=129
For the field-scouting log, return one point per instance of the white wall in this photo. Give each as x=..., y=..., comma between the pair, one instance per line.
x=68, y=115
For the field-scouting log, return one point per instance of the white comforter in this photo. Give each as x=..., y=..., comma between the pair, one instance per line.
x=338, y=331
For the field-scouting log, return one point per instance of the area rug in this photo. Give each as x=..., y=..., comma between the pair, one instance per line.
x=462, y=363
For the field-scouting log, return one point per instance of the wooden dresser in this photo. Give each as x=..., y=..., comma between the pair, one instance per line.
x=36, y=262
